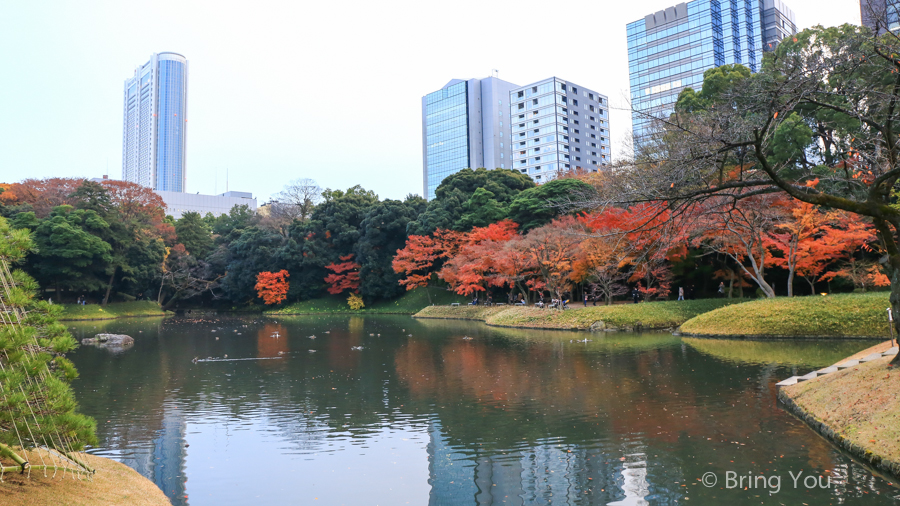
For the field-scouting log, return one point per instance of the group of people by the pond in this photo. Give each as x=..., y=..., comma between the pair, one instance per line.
x=684, y=293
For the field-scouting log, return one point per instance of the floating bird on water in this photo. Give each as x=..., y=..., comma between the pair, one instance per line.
x=379, y=335
x=276, y=334
x=312, y=337
x=226, y=356
x=281, y=353
x=371, y=335
x=312, y=351
x=194, y=360
x=466, y=338
x=356, y=347
x=217, y=338
x=328, y=332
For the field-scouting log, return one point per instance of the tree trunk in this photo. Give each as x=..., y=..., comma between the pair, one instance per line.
x=895, y=300
x=731, y=285
x=812, y=286
x=109, y=287
x=790, y=281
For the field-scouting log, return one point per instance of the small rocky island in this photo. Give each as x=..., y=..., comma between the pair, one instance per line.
x=115, y=343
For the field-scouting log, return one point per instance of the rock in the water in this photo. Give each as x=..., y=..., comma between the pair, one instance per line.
x=112, y=342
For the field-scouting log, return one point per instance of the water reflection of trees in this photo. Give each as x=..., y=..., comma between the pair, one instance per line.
x=505, y=402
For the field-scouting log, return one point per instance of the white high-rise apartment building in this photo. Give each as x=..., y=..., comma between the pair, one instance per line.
x=558, y=126
x=154, y=127
x=542, y=129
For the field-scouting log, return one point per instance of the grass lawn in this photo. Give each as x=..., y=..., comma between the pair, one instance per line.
x=409, y=303
x=111, y=311
x=113, y=484
x=860, y=404
x=650, y=315
x=841, y=315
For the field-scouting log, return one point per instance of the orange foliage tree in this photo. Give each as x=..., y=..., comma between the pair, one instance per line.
x=43, y=194
x=423, y=256
x=551, y=249
x=344, y=276
x=272, y=287
x=473, y=268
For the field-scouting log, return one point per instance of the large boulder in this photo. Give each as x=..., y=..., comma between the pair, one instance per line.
x=112, y=342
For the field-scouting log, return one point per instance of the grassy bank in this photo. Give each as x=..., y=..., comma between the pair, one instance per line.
x=113, y=484
x=111, y=311
x=841, y=316
x=858, y=408
x=409, y=303
x=648, y=315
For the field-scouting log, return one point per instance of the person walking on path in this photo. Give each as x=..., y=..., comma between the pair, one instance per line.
x=635, y=295
x=680, y=293
x=585, y=300
x=721, y=289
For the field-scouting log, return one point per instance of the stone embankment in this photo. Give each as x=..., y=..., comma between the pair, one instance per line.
x=853, y=403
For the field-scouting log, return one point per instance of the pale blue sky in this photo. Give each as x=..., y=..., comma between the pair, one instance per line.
x=281, y=90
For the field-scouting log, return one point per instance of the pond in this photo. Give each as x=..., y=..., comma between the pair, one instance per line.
x=392, y=410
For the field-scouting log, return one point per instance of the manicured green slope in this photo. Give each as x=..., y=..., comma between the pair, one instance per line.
x=111, y=311
x=841, y=315
x=647, y=315
x=409, y=303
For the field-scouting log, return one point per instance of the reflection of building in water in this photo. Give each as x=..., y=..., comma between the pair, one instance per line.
x=164, y=463
x=549, y=471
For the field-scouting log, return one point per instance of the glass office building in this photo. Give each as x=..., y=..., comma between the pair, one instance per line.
x=154, y=132
x=538, y=129
x=465, y=124
x=558, y=126
x=446, y=134
x=671, y=49
x=880, y=12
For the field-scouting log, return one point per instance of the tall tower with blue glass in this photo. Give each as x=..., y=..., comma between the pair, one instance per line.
x=465, y=125
x=154, y=123
x=671, y=49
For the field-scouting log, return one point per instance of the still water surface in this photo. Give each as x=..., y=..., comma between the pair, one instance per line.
x=421, y=415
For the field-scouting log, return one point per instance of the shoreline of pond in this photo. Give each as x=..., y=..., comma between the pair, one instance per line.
x=854, y=408
x=112, y=483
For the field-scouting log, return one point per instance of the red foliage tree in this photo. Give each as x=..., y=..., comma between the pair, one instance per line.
x=44, y=194
x=344, y=276
x=473, y=268
x=272, y=287
x=423, y=256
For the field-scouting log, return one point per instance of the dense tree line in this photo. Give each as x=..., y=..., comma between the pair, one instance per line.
x=112, y=240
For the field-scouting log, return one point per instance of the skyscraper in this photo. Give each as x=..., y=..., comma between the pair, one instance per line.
x=154, y=127
x=465, y=124
x=557, y=126
x=671, y=49
x=495, y=124
x=881, y=12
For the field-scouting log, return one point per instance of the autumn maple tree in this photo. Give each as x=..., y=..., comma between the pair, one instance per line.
x=473, y=268
x=423, y=256
x=344, y=276
x=272, y=287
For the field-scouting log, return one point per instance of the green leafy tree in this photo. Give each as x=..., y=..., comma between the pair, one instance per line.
x=481, y=210
x=70, y=253
x=456, y=192
x=538, y=206
x=194, y=234
x=383, y=233
x=38, y=408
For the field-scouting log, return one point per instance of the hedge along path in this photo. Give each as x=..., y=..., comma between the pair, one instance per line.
x=58, y=454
